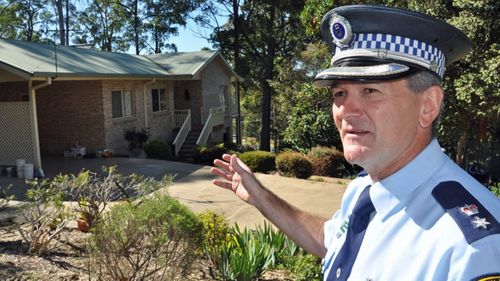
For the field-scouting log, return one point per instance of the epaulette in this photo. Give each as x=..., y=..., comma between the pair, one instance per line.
x=475, y=221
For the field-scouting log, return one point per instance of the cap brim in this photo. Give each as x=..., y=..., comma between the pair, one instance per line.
x=328, y=76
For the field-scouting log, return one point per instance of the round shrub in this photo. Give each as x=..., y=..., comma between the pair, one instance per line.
x=259, y=161
x=158, y=150
x=294, y=164
x=326, y=161
x=160, y=233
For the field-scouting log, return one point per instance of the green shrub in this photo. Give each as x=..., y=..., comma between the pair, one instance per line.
x=259, y=161
x=328, y=162
x=294, y=164
x=135, y=138
x=206, y=155
x=154, y=240
x=495, y=188
x=158, y=150
x=216, y=234
x=305, y=267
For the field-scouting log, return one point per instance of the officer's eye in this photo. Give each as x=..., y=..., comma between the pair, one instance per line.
x=370, y=90
x=338, y=94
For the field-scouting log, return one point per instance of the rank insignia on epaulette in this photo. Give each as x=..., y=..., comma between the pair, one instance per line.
x=475, y=221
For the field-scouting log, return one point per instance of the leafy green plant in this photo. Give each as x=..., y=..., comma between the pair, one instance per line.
x=495, y=188
x=158, y=150
x=244, y=257
x=216, y=234
x=154, y=240
x=45, y=216
x=136, y=138
x=259, y=161
x=294, y=164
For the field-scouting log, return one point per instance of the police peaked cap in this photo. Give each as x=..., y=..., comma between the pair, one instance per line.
x=374, y=43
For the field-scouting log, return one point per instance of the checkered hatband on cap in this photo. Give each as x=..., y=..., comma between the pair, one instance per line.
x=387, y=46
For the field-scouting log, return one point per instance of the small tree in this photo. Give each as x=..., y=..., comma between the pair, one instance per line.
x=45, y=217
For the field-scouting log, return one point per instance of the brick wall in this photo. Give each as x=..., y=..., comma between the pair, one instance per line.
x=70, y=111
x=159, y=123
x=214, y=77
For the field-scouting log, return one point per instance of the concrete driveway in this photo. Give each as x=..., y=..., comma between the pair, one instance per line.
x=192, y=186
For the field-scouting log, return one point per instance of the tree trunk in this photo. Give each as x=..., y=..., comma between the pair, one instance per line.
x=236, y=50
x=136, y=28
x=67, y=23
x=265, y=134
x=60, y=21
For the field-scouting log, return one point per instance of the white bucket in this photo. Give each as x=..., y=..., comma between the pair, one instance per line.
x=9, y=171
x=28, y=171
x=19, y=167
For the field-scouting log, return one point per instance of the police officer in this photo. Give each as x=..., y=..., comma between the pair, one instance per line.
x=413, y=214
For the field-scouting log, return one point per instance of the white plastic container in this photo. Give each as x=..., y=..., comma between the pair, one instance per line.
x=20, y=168
x=28, y=170
x=9, y=171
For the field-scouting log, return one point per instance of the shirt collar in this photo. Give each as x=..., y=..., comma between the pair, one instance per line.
x=392, y=193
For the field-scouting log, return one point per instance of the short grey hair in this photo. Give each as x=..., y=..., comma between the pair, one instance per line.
x=419, y=82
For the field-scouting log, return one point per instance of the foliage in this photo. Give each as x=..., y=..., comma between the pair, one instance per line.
x=206, y=155
x=216, y=234
x=495, y=188
x=328, y=162
x=154, y=240
x=45, y=217
x=158, y=150
x=136, y=138
x=94, y=192
x=244, y=257
x=268, y=33
x=259, y=161
x=305, y=267
x=310, y=122
x=294, y=164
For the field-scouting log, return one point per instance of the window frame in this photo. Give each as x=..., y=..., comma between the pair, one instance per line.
x=126, y=110
x=162, y=107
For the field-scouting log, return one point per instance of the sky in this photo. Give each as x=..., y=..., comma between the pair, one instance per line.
x=189, y=38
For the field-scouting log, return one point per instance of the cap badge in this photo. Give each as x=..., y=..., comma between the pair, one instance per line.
x=469, y=209
x=341, y=31
x=480, y=222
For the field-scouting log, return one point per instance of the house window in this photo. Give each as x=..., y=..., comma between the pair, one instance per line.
x=122, y=104
x=159, y=98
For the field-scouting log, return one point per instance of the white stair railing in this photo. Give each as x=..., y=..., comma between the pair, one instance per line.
x=215, y=117
x=185, y=128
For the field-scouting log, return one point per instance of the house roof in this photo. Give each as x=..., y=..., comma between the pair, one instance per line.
x=29, y=60
x=39, y=60
x=188, y=63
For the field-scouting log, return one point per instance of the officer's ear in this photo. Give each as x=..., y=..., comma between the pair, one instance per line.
x=431, y=105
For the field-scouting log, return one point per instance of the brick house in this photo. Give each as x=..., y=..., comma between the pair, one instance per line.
x=53, y=96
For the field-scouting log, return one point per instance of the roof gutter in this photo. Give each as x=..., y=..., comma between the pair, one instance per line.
x=34, y=123
x=144, y=93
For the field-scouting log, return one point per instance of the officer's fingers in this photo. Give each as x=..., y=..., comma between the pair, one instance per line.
x=223, y=184
x=223, y=165
x=221, y=174
x=227, y=157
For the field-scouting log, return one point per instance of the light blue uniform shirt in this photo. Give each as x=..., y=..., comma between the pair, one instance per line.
x=412, y=236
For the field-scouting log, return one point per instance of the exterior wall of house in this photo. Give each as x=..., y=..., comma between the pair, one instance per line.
x=67, y=111
x=160, y=123
x=187, y=95
x=215, y=77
